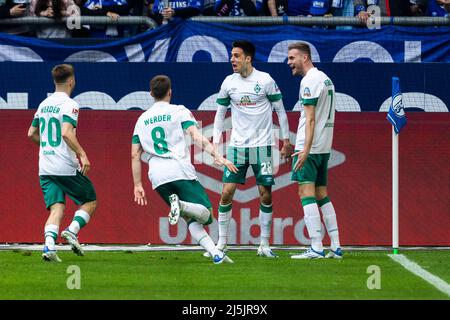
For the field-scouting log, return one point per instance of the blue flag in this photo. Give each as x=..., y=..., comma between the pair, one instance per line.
x=396, y=114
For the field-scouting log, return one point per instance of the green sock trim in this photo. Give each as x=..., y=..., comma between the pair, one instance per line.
x=80, y=221
x=265, y=208
x=52, y=234
x=308, y=200
x=225, y=208
x=321, y=202
x=190, y=221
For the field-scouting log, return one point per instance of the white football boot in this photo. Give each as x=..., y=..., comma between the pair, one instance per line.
x=221, y=258
x=309, y=254
x=72, y=239
x=337, y=254
x=208, y=255
x=50, y=255
x=265, y=251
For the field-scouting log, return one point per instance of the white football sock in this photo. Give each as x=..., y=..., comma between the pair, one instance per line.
x=51, y=234
x=80, y=219
x=329, y=217
x=313, y=223
x=196, y=211
x=224, y=222
x=201, y=236
x=265, y=222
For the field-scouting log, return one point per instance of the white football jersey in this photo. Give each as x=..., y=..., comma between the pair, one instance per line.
x=317, y=89
x=251, y=109
x=55, y=156
x=160, y=131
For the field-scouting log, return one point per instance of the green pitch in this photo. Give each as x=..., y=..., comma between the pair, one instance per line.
x=187, y=275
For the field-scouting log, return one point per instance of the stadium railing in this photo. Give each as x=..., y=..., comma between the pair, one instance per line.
x=253, y=21
x=83, y=20
x=326, y=21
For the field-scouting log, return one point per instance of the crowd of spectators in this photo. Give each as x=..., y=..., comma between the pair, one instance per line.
x=164, y=11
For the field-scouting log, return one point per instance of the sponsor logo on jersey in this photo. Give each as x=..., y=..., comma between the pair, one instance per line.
x=246, y=101
x=306, y=92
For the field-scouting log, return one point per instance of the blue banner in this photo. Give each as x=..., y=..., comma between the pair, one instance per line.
x=396, y=114
x=123, y=86
x=189, y=41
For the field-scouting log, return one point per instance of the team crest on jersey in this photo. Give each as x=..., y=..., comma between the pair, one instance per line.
x=306, y=92
x=257, y=88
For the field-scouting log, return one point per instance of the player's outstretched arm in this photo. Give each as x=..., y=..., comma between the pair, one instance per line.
x=136, y=168
x=33, y=134
x=219, y=121
x=204, y=143
x=69, y=136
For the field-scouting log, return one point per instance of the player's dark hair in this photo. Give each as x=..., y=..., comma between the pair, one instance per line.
x=302, y=47
x=159, y=86
x=246, y=46
x=62, y=72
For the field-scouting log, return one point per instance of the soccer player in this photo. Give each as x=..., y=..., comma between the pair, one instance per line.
x=252, y=95
x=54, y=130
x=312, y=151
x=159, y=132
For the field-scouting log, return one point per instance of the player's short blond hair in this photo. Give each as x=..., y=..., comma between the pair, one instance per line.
x=302, y=47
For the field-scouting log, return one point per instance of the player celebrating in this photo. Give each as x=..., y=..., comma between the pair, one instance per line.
x=313, y=147
x=252, y=95
x=60, y=172
x=159, y=132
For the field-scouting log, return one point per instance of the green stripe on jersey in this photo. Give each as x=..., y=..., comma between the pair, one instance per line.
x=224, y=101
x=274, y=97
x=187, y=124
x=69, y=120
x=135, y=139
x=35, y=122
x=310, y=102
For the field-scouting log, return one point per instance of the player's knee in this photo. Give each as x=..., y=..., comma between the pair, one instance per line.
x=266, y=199
x=321, y=193
x=305, y=193
x=209, y=220
x=227, y=196
x=265, y=194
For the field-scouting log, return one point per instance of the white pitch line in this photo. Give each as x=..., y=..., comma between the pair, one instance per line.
x=414, y=268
